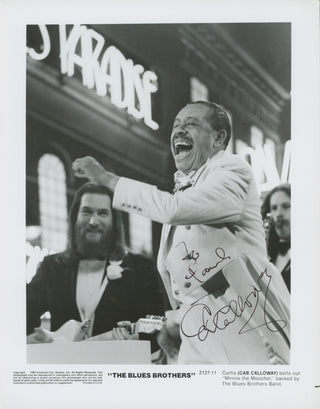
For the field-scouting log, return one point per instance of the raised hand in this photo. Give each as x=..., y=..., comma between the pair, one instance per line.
x=91, y=169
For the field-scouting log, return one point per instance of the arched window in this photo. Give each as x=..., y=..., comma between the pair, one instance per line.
x=53, y=203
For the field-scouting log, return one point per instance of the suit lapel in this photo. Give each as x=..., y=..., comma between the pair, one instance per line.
x=115, y=289
x=73, y=280
x=70, y=271
x=167, y=237
x=115, y=294
x=168, y=230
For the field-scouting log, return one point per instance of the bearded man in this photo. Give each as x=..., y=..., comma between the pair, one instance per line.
x=95, y=280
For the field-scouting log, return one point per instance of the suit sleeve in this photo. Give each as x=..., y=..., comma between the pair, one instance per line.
x=36, y=297
x=153, y=295
x=219, y=199
x=153, y=298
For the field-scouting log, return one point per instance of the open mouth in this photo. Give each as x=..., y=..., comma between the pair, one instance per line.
x=93, y=235
x=181, y=147
x=92, y=232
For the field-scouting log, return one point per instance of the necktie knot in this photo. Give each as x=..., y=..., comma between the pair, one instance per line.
x=182, y=180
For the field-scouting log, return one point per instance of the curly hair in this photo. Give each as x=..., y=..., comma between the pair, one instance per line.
x=273, y=238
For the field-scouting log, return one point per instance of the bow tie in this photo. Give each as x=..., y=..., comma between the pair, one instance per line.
x=284, y=246
x=182, y=180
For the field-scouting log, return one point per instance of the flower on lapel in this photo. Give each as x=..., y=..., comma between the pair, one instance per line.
x=114, y=270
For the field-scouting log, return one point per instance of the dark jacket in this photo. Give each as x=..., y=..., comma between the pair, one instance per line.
x=138, y=293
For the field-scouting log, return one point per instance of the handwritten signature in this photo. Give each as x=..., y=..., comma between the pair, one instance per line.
x=211, y=323
x=194, y=255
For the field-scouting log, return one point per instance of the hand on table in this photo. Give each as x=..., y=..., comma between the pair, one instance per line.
x=39, y=336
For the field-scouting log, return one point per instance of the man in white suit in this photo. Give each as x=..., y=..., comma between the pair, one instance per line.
x=233, y=305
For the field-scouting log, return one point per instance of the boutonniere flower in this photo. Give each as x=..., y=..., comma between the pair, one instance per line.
x=114, y=270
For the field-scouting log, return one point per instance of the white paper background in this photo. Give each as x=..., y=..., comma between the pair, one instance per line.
x=199, y=391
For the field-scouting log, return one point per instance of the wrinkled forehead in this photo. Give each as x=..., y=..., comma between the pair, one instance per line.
x=196, y=111
x=96, y=200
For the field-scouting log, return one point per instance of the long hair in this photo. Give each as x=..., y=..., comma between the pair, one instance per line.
x=118, y=249
x=273, y=238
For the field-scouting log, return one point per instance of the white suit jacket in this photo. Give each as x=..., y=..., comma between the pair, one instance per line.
x=213, y=240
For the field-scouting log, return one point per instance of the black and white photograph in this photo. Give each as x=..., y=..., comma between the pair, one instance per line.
x=160, y=156
x=147, y=166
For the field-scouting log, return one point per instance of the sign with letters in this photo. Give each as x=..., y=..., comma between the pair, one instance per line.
x=128, y=85
x=264, y=164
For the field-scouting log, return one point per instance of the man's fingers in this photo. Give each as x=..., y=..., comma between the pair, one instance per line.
x=118, y=334
x=89, y=168
x=79, y=167
x=122, y=334
x=77, y=170
x=125, y=324
x=38, y=337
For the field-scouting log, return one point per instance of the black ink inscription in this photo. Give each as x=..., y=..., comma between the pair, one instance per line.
x=193, y=275
x=220, y=253
x=211, y=323
x=194, y=255
x=191, y=255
